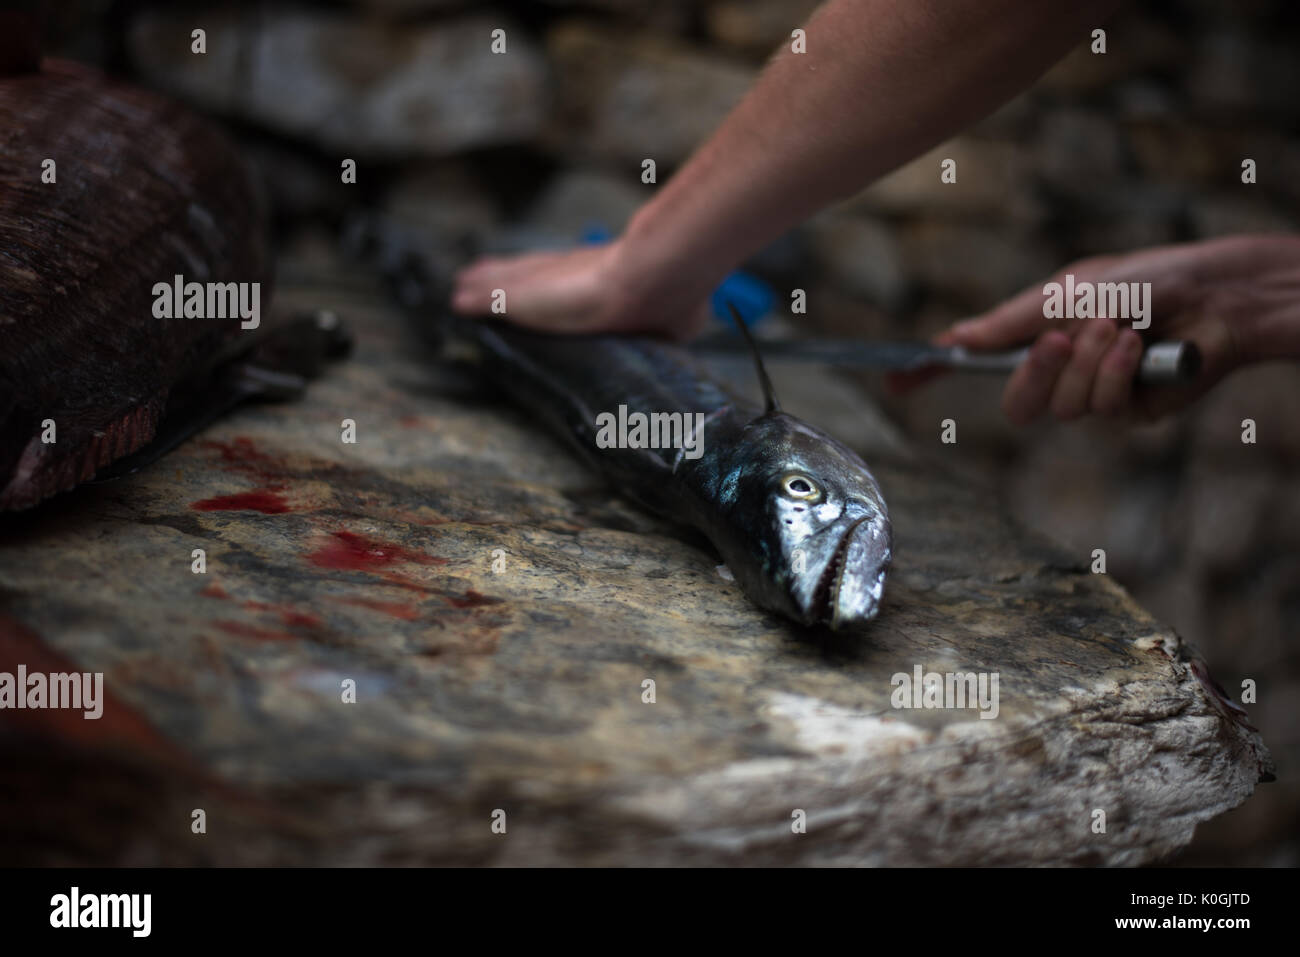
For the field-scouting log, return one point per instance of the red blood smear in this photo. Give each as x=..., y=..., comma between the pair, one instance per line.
x=472, y=599
x=294, y=619
x=266, y=501
x=395, y=579
x=298, y=619
x=396, y=609
x=251, y=631
x=352, y=552
x=241, y=455
x=214, y=591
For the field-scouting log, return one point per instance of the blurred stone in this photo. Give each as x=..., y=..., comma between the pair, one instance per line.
x=1253, y=614
x=1145, y=99
x=582, y=200
x=756, y=27
x=1215, y=15
x=1269, y=394
x=1077, y=150
x=360, y=88
x=1237, y=71
x=993, y=180
x=1072, y=485
x=973, y=265
x=410, y=8
x=293, y=184
x=1231, y=507
x=1134, y=43
x=1118, y=235
x=1147, y=444
x=444, y=200
x=1128, y=214
x=1082, y=71
x=1176, y=150
x=859, y=255
x=78, y=30
x=626, y=98
x=835, y=313
x=1246, y=212
x=1012, y=120
x=1282, y=530
x=785, y=260
x=1277, y=158
x=662, y=16
x=974, y=402
x=1180, y=597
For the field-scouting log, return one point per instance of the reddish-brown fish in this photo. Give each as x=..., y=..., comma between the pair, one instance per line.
x=143, y=190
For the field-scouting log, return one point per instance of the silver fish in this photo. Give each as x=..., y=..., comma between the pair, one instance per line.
x=796, y=515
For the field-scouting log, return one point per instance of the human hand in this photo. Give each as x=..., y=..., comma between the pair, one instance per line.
x=591, y=289
x=1237, y=299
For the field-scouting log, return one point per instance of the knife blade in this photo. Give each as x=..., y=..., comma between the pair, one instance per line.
x=1162, y=363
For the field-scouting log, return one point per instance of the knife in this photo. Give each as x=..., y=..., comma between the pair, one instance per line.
x=1163, y=363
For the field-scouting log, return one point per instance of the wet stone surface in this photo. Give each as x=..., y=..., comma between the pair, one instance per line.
x=521, y=688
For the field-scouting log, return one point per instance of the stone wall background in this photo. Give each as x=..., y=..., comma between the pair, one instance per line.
x=1137, y=147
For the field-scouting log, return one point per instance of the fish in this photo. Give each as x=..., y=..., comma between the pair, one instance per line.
x=796, y=515
x=105, y=190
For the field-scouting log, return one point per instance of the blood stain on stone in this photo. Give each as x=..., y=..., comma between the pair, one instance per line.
x=352, y=552
x=406, y=612
x=267, y=501
x=241, y=455
x=400, y=581
x=292, y=618
x=214, y=591
x=299, y=619
x=471, y=599
x=252, y=631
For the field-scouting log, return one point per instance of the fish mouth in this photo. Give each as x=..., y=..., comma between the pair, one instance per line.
x=824, y=606
x=851, y=584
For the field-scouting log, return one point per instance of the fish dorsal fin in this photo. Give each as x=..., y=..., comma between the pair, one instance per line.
x=769, y=394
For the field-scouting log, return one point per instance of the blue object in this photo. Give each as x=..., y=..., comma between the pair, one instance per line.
x=751, y=296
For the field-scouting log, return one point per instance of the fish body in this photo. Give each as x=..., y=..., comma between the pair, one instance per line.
x=797, y=516
x=106, y=190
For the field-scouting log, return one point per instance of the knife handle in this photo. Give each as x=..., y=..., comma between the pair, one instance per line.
x=1163, y=363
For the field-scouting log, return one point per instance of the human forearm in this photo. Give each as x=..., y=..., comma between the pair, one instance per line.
x=881, y=81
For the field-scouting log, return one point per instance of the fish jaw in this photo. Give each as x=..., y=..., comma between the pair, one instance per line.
x=845, y=587
x=860, y=586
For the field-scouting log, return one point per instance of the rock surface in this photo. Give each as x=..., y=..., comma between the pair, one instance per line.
x=521, y=689
x=365, y=89
x=625, y=99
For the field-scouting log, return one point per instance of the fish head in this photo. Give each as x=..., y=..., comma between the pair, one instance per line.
x=811, y=516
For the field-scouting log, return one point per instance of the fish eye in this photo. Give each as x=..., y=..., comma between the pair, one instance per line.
x=800, y=487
